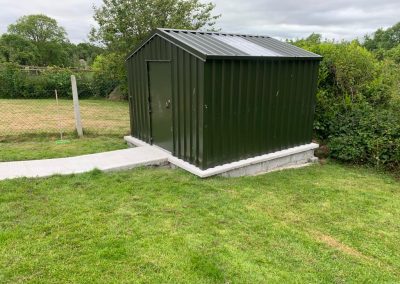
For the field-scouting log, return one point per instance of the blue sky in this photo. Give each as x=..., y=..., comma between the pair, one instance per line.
x=339, y=19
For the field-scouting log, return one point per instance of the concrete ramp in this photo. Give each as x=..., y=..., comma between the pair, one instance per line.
x=106, y=161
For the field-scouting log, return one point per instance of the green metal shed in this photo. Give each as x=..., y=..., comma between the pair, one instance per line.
x=212, y=98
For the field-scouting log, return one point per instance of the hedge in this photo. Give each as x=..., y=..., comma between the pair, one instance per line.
x=18, y=83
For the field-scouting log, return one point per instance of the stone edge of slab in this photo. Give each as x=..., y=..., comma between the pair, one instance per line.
x=226, y=168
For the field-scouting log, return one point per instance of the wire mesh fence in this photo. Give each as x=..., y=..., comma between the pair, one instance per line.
x=20, y=117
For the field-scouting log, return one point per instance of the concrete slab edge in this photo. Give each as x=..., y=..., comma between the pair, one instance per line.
x=242, y=163
x=225, y=168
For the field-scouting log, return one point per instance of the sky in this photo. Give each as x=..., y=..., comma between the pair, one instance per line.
x=337, y=19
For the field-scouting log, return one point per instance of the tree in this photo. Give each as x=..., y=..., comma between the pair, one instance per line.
x=87, y=52
x=38, y=28
x=383, y=39
x=49, y=39
x=14, y=48
x=124, y=23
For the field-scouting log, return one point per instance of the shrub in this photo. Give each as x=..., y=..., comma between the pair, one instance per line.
x=109, y=72
x=357, y=111
x=17, y=83
x=367, y=135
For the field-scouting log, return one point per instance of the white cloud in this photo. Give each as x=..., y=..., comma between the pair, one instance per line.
x=340, y=19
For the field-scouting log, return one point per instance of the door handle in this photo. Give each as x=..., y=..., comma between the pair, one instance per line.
x=168, y=103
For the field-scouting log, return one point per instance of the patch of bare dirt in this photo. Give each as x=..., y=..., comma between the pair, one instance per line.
x=332, y=242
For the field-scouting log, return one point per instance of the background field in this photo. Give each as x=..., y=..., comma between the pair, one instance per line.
x=29, y=129
x=20, y=117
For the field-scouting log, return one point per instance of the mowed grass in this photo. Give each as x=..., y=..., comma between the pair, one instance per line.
x=47, y=147
x=320, y=224
x=19, y=117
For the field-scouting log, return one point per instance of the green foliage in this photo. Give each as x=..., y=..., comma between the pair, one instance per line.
x=17, y=83
x=16, y=49
x=38, y=28
x=124, y=23
x=109, y=73
x=365, y=135
x=355, y=113
x=383, y=39
x=87, y=52
x=393, y=54
x=38, y=40
x=347, y=69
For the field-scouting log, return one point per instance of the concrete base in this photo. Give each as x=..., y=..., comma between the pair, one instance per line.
x=294, y=160
x=293, y=157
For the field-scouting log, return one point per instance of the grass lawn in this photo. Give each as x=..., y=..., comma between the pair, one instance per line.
x=46, y=147
x=29, y=128
x=320, y=224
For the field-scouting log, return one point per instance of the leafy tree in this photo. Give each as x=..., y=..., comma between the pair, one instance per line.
x=38, y=28
x=108, y=73
x=383, y=39
x=87, y=52
x=123, y=23
x=14, y=48
x=394, y=54
x=47, y=38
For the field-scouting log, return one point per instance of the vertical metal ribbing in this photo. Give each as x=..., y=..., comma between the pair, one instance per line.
x=221, y=118
x=288, y=130
x=296, y=104
x=182, y=102
x=256, y=130
x=169, y=54
x=200, y=111
x=264, y=107
x=231, y=137
x=188, y=98
x=254, y=106
x=276, y=101
x=241, y=86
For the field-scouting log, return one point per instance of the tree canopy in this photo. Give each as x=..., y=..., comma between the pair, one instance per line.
x=14, y=48
x=123, y=23
x=39, y=40
x=38, y=28
x=383, y=39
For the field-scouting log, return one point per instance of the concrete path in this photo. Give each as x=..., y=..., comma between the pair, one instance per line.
x=106, y=161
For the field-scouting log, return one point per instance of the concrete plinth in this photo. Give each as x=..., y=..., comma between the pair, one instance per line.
x=293, y=157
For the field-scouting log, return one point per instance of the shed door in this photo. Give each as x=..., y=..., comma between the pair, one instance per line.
x=160, y=103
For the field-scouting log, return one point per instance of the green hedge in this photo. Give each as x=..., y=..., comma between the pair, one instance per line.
x=17, y=83
x=357, y=113
x=362, y=134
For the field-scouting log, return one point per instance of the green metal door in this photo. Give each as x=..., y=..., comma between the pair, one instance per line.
x=160, y=103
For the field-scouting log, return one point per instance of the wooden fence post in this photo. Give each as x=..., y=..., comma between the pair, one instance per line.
x=77, y=112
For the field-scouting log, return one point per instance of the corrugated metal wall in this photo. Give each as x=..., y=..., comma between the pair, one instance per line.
x=187, y=100
x=253, y=107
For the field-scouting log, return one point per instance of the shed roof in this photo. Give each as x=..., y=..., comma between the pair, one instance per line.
x=227, y=45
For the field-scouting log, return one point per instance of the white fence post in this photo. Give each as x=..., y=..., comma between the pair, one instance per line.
x=77, y=112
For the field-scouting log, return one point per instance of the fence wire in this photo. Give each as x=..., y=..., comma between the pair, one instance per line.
x=44, y=116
